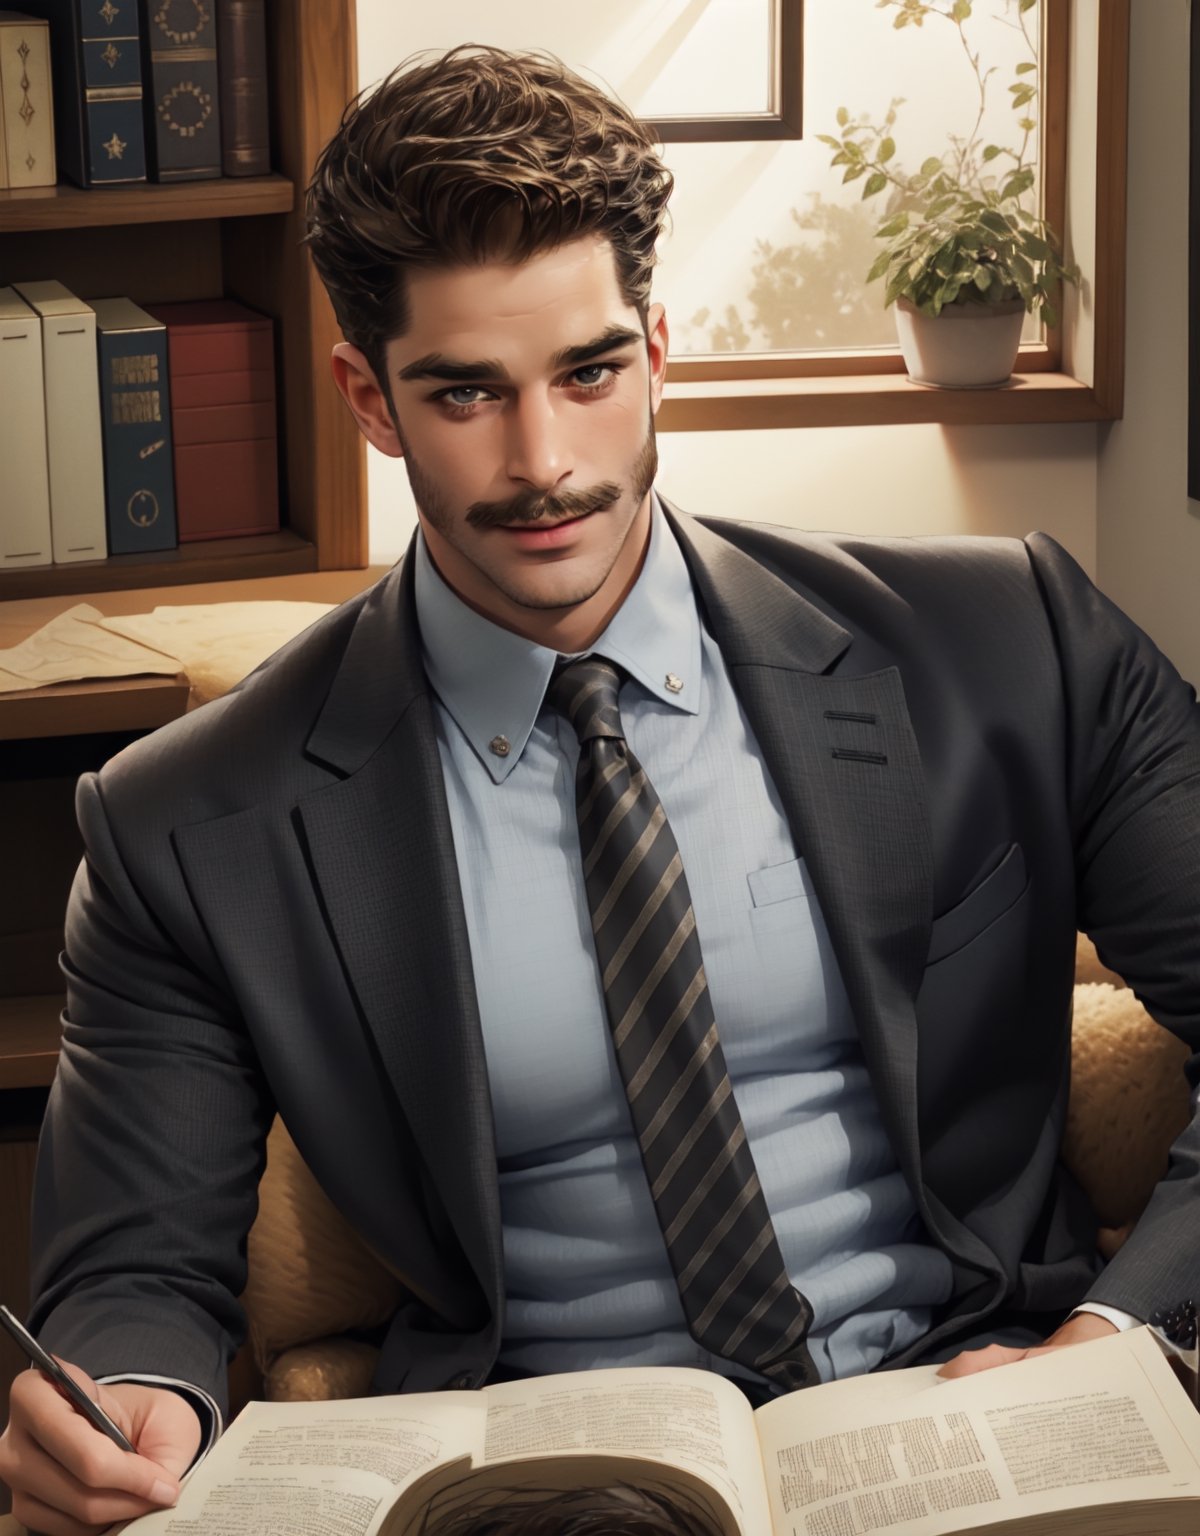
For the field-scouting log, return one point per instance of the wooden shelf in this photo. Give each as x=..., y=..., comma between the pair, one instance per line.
x=877, y=399
x=69, y=207
x=29, y=1038
x=265, y=554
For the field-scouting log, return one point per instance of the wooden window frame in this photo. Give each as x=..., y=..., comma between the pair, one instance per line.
x=767, y=390
x=787, y=69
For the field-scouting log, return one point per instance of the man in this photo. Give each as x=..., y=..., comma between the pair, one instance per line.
x=885, y=779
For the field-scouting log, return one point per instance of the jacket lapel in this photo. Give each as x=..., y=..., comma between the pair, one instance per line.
x=843, y=756
x=381, y=851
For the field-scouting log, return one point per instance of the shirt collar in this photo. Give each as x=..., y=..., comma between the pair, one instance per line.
x=493, y=682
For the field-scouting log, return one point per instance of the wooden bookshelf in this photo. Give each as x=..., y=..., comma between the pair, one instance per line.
x=67, y=207
x=239, y=238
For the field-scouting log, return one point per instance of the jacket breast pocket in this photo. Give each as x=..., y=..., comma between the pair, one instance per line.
x=978, y=910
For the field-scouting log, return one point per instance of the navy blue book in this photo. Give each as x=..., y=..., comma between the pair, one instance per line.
x=183, y=92
x=97, y=67
x=135, y=405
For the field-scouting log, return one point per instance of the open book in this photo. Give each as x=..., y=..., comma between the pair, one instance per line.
x=1098, y=1439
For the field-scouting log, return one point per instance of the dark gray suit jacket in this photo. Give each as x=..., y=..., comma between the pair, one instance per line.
x=976, y=753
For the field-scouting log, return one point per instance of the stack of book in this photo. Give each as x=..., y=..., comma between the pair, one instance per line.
x=127, y=431
x=142, y=90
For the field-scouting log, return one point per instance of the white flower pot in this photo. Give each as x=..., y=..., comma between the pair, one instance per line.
x=968, y=346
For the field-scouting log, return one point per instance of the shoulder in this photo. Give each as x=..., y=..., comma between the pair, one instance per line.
x=954, y=580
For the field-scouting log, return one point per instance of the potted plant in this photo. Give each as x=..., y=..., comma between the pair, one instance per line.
x=965, y=258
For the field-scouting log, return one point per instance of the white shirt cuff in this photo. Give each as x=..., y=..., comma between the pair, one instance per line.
x=211, y=1423
x=1121, y=1321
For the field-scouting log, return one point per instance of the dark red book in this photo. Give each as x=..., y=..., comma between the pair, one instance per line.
x=223, y=421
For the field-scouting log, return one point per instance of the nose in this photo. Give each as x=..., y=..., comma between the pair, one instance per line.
x=537, y=451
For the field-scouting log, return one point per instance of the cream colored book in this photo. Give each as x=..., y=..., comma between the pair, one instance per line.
x=1096, y=1440
x=26, y=102
x=73, y=446
x=25, y=497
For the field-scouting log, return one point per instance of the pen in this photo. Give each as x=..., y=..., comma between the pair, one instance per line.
x=70, y=1389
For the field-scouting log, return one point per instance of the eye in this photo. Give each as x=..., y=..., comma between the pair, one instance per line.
x=461, y=389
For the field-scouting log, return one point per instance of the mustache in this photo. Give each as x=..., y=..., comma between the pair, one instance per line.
x=532, y=506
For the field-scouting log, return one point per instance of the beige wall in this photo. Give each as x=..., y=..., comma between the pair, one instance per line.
x=1148, y=532
x=1114, y=497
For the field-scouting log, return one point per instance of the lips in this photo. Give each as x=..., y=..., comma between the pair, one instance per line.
x=540, y=535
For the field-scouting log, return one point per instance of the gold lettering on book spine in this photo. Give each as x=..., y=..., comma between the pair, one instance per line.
x=138, y=368
x=136, y=407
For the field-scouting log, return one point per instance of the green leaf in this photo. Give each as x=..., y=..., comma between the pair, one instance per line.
x=1018, y=182
x=1027, y=123
x=875, y=183
x=1049, y=315
x=896, y=225
x=886, y=150
x=997, y=224
x=879, y=266
x=991, y=151
x=982, y=278
x=1027, y=5
x=1026, y=69
x=1022, y=95
x=828, y=138
x=843, y=117
x=961, y=11
x=854, y=173
x=931, y=166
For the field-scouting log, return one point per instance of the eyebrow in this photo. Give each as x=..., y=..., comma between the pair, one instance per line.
x=488, y=370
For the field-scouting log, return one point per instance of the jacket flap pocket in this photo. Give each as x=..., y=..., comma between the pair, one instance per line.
x=990, y=898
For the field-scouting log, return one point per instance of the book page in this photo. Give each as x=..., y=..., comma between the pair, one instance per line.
x=692, y=1419
x=1089, y=1425
x=313, y=1469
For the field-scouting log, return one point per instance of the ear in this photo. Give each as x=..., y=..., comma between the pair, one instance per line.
x=355, y=377
x=657, y=339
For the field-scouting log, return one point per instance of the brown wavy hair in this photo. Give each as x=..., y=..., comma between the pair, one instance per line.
x=478, y=154
x=616, y=1509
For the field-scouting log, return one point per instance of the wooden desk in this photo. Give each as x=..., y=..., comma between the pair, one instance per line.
x=139, y=703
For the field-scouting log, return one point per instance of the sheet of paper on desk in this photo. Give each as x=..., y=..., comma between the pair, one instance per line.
x=73, y=646
x=218, y=644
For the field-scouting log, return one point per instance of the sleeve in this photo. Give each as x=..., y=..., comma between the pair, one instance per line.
x=154, y=1136
x=1133, y=777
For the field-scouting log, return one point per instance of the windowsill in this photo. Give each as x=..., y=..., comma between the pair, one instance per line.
x=874, y=399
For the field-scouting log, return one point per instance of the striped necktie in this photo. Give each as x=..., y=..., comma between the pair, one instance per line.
x=734, y=1286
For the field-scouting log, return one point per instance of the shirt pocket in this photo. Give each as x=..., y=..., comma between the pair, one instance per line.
x=776, y=894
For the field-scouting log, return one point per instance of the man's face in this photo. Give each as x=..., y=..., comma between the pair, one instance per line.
x=524, y=398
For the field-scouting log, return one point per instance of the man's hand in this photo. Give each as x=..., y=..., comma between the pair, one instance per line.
x=1076, y=1330
x=68, y=1479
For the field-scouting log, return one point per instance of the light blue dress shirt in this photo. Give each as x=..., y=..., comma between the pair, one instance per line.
x=587, y=1277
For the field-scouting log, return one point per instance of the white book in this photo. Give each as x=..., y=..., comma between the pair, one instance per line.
x=73, y=446
x=24, y=480
x=26, y=102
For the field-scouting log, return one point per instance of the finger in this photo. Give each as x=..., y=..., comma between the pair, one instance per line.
x=33, y=1514
x=53, y=1486
x=971, y=1361
x=67, y=1438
